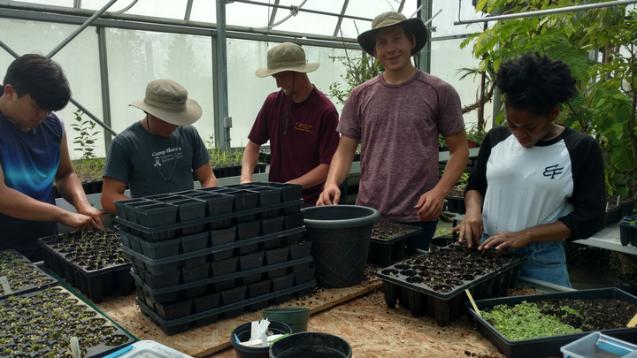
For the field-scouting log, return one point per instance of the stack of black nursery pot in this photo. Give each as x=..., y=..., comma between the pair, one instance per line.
x=203, y=254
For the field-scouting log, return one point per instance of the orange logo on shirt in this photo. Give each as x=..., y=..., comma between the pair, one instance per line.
x=303, y=127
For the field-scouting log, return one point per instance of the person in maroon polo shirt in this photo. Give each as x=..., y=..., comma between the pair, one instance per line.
x=298, y=120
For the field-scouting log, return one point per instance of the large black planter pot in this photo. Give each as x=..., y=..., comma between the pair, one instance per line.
x=243, y=334
x=340, y=236
x=311, y=344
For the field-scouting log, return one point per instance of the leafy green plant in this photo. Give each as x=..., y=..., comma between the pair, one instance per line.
x=358, y=71
x=86, y=135
x=220, y=158
x=525, y=321
x=89, y=169
x=600, y=47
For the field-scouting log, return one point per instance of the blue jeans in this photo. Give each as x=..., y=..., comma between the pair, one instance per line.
x=428, y=231
x=545, y=261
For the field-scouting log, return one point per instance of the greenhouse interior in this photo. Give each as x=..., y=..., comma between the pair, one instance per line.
x=318, y=178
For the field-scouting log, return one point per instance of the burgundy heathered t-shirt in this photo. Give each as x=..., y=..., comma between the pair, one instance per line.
x=302, y=136
x=398, y=126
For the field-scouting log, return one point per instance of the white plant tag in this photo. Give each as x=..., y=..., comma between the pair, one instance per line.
x=6, y=288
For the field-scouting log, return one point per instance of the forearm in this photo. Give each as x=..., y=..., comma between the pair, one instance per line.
x=108, y=201
x=71, y=190
x=312, y=178
x=548, y=232
x=249, y=161
x=453, y=170
x=473, y=203
x=209, y=182
x=20, y=206
x=341, y=164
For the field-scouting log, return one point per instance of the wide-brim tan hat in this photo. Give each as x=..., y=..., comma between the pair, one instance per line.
x=168, y=101
x=286, y=56
x=415, y=26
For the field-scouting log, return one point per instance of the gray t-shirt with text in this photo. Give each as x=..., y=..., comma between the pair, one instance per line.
x=151, y=164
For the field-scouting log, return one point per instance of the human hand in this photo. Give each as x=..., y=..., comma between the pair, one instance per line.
x=95, y=214
x=330, y=196
x=430, y=205
x=470, y=229
x=503, y=240
x=77, y=221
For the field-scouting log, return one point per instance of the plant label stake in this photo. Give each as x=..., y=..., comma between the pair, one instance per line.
x=75, y=348
x=632, y=322
x=5, y=285
x=473, y=303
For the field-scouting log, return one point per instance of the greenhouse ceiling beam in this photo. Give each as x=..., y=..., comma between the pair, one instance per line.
x=401, y=6
x=546, y=11
x=77, y=31
x=273, y=14
x=146, y=23
x=340, y=18
x=188, y=10
x=77, y=4
x=295, y=8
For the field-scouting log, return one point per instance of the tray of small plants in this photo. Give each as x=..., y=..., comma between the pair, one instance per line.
x=42, y=323
x=434, y=283
x=92, y=261
x=21, y=275
x=391, y=242
x=537, y=326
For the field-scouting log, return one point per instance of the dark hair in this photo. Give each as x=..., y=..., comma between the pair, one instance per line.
x=535, y=83
x=41, y=78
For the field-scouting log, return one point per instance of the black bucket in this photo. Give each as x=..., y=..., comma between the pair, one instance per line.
x=340, y=237
x=243, y=334
x=311, y=345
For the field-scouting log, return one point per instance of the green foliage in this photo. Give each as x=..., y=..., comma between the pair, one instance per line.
x=91, y=169
x=358, y=70
x=86, y=135
x=600, y=47
x=526, y=321
x=225, y=158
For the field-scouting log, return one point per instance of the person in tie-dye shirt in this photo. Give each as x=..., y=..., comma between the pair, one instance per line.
x=34, y=155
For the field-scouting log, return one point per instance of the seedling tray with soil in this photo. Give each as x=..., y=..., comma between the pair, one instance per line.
x=455, y=200
x=41, y=324
x=22, y=276
x=392, y=242
x=92, y=261
x=434, y=283
x=537, y=326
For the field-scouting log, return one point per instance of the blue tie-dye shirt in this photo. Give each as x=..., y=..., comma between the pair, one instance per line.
x=29, y=162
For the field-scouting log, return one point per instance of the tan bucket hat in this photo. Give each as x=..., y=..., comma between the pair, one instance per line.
x=286, y=56
x=367, y=39
x=168, y=101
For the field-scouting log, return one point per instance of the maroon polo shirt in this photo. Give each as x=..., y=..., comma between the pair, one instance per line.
x=302, y=136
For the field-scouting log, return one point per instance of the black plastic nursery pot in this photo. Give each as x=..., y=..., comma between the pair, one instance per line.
x=243, y=334
x=295, y=317
x=392, y=242
x=340, y=236
x=311, y=344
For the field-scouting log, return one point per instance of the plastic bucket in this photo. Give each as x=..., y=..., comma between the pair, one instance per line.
x=295, y=317
x=243, y=333
x=340, y=237
x=311, y=345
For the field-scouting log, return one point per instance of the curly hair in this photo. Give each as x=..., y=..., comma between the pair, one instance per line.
x=535, y=83
x=41, y=78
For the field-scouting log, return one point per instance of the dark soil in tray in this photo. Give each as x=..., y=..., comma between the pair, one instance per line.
x=591, y=315
x=41, y=324
x=21, y=273
x=387, y=231
x=90, y=250
x=447, y=268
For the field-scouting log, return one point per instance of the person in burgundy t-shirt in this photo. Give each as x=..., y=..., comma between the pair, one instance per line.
x=299, y=121
x=396, y=117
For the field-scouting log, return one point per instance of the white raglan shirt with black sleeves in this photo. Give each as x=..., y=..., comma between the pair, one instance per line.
x=560, y=179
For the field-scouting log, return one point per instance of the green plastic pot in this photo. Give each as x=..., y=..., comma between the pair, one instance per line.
x=295, y=317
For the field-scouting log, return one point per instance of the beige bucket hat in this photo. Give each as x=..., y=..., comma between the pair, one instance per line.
x=367, y=39
x=168, y=101
x=286, y=56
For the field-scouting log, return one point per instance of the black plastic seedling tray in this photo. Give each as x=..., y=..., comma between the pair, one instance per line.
x=392, y=242
x=171, y=327
x=289, y=192
x=73, y=316
x=21, y=274
x=443, y=298
x=110, y=279
x=547, y=346
x=628, y=230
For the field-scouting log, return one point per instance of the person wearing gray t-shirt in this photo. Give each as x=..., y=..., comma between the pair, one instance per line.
x=396, y=117
x=160, y=153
